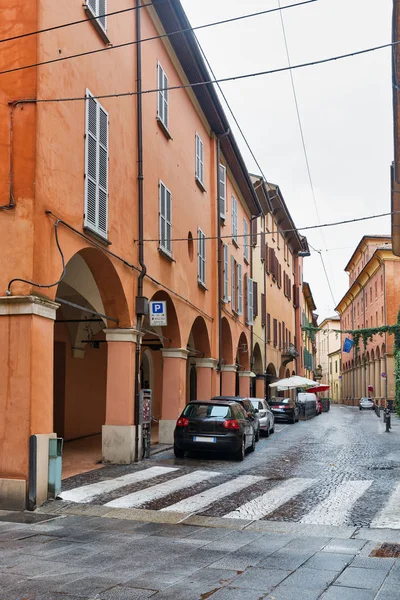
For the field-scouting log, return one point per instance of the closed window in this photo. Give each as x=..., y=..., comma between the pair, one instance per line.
x=163, y=108
x=201, y=257
x=233, y=284
x=165, y=218
x=96, y=167
x=250, y=302
x=239, y=290
x=246, y=240
x=199, y=160
x=234, y=220
x=226, y=293
x=222, y=191
x=98, y=8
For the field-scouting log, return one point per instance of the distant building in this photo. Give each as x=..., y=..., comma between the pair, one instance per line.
x=309, y=347
x=334, y=376
x=328, y=344
x=372, y=300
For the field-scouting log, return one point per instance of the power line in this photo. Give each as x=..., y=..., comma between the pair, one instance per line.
x=307, y=228
x=222, y=80
x=155, y=37
x=326, y=274
x=303, y=141
x=71, y=23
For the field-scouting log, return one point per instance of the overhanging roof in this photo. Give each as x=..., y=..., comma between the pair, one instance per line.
x=363, y=243
x=308, y=296
x=186, y=48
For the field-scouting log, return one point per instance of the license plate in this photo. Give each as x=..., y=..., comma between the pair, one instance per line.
x=280, y=409
x=199, y=438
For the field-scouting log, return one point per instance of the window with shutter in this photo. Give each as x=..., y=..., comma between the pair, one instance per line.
x=263, y=311
x=255, y=299
x=254, y=234
x=262, y=246
x=279, y=336
x=268, y=327
x=239, y=290
x=165, y=244
x=246, y=240
x=284, y=283
x=234, y=220
x=98, y=8
x=199, y=160
x=201, y=257
x=250, y=301
x=96, y=167
x=233, y=283
x=275, y=332
x=222, y=191
x=163, y=108
x=225, y=271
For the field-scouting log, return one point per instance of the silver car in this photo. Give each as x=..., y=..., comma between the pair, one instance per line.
x=366, y=403
x=265, y=416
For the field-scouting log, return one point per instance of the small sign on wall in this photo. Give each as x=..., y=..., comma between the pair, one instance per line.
x=158, y=314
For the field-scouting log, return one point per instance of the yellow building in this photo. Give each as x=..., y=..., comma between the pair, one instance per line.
x=309, y=349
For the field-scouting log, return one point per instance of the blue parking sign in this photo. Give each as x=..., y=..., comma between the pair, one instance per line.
x=158, y=313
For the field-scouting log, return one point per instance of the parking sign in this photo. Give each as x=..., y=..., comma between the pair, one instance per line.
x=158, y=313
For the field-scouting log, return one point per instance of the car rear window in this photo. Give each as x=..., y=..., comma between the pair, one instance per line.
x=257, y=404
x=204, y=411
x=279, y=401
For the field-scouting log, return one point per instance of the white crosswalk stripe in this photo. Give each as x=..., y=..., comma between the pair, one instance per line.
x=335, y=509
x=266, y=503
x=86, y=493
x=204, y=499
x=389, y=516
x=161, y=490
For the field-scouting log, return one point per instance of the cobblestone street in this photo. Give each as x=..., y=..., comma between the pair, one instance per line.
x=305, y=517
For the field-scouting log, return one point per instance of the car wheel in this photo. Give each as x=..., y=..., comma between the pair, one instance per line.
x=178, y=452
x=267, y=432
x=272, y=430
x=257, y=435
x=293, y=420
x=239, y=454
x=360, y=407
x=253, y=444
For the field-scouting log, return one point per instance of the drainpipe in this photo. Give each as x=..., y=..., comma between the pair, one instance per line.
x=384, y=308
x=140, y=178
x=253, y=218
x=219, y=260
x=266, y=394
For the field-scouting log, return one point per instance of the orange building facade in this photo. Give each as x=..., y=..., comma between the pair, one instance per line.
x=121, y=185
x=373, y=300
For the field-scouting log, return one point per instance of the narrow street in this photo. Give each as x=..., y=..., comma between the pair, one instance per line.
x=340, y=468
x=312, y=514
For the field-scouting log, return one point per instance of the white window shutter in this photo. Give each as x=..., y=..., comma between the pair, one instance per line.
x=162, y=107
x=101, y=11
x=96, y=167
x=246, y=240
x=240, y=289
x=222, y=191
x=226, y=271
x=234, y=218
x=201, y=256
x=233, y=284
x=250, y=316
x=92, y=4
x=165, y=218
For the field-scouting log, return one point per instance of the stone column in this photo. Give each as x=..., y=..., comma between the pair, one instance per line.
x=382, y=379
x=390, y=377
x=174, y=391
x=260, y=387
x=26, y=396
x=228, y=374
x=205, y=370
x=377, y=386
x=244, y=383
x=119, y=431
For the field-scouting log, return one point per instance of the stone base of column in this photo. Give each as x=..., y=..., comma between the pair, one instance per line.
x=166, y=431
x=12, y=494
x=118, y=444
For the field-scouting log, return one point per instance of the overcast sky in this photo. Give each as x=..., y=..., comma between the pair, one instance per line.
x=345, y=109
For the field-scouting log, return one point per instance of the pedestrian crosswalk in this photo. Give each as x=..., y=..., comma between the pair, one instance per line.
x=250, y=497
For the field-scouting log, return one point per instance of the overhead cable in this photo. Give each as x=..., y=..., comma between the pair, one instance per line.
x=221, y=80
x=154, y=37
x=306, y=228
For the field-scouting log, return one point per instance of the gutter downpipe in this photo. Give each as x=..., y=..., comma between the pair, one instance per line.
x=140, y=219
x=219, y=260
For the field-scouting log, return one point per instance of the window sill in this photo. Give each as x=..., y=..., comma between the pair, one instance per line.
x=246, y=260
x=164, y=129
x=96, y=24
x=234, y=242
x=222, y=219
x=200, y=185
x=202, y=286
x=97, y=236
x=166, y=255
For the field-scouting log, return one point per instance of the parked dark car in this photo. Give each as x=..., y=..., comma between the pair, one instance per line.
x=284, y=409
x=214, y=426
x=251, y=410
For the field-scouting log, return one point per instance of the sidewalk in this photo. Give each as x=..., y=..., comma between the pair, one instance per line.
x=46, y=556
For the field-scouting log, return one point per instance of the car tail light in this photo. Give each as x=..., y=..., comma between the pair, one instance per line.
x=231, y=424
x=182, y=422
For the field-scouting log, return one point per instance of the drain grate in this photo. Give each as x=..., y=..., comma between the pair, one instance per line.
x=386, y=551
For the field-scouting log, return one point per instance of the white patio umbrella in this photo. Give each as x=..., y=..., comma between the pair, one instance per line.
x=293, y=382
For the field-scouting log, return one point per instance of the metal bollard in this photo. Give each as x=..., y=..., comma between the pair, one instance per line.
x=386, y=420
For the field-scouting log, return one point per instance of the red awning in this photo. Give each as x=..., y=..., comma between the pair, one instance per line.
x=319, y=388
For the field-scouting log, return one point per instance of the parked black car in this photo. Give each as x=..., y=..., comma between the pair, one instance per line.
x=214, y=426
x=284, y=409
x=251, y=410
